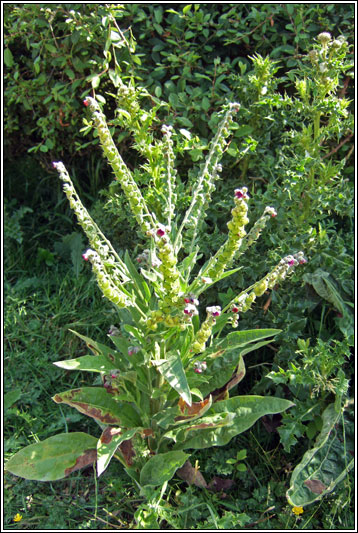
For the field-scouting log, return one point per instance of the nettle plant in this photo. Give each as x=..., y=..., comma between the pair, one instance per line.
x=165, y=382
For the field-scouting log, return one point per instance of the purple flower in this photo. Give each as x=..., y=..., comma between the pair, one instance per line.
x=160, y=230
x=200, y=367
x=190, y=310
x=241, y=193
x=214, y=311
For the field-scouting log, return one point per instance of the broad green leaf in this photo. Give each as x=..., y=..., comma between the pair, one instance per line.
x=11, y=397
x=246, y=411
x=222, y=364
x=89, y=363
x=322, y=284
x=238, y=339
x=173, y=372
x=97, y=348
x=54, y=458
x=8, y=58
x=97, y=403
x=207, y=423
x=162, y=467
x=327, y=463
x=108, y=443
x=182, y=413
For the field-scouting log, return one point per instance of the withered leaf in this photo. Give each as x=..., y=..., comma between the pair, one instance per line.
x=219, y=484
x=191, y=475
x=315, y=485
x=86, y=459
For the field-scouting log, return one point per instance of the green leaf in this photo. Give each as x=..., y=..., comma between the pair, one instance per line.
x=97, y=403
x=136, y=277
x=327, y=463
x=11, y=397
x=54, y=458
x=114, y=357
x=108, y=443
x=8, y=58
x=187, y=8
x=88, y=363
x=162, y=467
x=324, y=287
x=246, y=410
x=173, y=372
x=238, y=339
x=206, y=423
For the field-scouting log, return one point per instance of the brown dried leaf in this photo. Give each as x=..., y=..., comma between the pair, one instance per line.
x=191, y=475
x=127, y=451
x=219, y=484
x=108, y=434
x=315, y=485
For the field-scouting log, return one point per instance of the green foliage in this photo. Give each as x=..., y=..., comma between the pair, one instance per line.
x=313, y=377
x=51, y=55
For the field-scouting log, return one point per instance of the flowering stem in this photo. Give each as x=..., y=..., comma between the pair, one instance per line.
x=216, y=148
x=120, y=169
x=95, y=236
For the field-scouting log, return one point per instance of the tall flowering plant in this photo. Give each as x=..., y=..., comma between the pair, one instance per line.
x=165, y=380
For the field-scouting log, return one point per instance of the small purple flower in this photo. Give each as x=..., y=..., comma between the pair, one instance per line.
x=160, y=230
x=241, y=193
x=190, y=299
x=214, y=311
x=291, y=261
x=113, y=331
x=190, y=310
x=200, y=367
x=234, y=309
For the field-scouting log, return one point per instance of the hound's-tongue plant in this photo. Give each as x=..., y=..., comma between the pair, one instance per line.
x=164, y=355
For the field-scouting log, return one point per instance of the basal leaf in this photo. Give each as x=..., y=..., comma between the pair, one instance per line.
x=108, y=443
x=162, y=467
x=54, y=458
x=327, y=463
x=89, y=363
x=101, y=349
x=97, y=403
x=246, y=410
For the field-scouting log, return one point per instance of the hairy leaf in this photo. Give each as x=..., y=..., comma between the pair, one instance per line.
x=245, y=411
x=162, y=467
x=327, y=463
x=172, y=370
x=97, y=403
x=54, y=458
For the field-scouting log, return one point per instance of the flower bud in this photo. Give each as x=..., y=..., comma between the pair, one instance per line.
x=270, y=211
